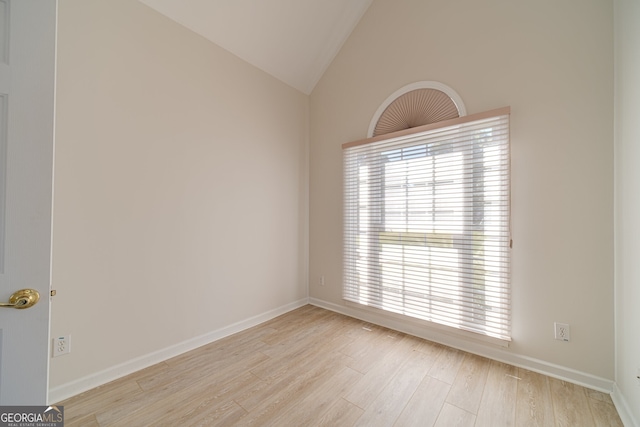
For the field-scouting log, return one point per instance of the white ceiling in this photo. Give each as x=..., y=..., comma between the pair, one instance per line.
x=293, y=40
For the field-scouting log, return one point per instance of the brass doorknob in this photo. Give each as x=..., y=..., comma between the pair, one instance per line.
x=24, y=298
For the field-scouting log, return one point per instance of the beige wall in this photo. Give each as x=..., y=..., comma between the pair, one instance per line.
x=180, y=189
x=180, y=173
x=627, y=209
x=552, y=63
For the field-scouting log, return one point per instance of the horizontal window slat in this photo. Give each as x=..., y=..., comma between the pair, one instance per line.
x=427, y=224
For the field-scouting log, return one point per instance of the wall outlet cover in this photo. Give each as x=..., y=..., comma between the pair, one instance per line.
x=61, y=345
x=562, y=331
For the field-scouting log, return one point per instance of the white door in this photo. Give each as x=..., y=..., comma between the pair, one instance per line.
x=27, y=80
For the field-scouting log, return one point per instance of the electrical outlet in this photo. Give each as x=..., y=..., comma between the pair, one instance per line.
x=638, y=376
x=61, y=345
x=321, y=280
x=562, y=331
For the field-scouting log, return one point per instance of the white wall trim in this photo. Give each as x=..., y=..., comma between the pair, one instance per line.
x=70, y=389
x=492, y=352
x=623, y=408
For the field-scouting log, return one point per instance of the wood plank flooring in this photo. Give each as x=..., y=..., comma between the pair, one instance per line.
x=313, y=367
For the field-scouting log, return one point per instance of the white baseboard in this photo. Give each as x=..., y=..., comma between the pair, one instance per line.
x=623, y=408
x=492, y=352
x=65, y=391
x=73, y=388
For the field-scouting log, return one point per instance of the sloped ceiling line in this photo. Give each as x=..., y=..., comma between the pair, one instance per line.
x=292, y=40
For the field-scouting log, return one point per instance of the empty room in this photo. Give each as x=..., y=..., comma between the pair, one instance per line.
x=322, y=212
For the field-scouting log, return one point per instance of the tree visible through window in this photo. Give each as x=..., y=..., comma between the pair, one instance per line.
x=427, y=224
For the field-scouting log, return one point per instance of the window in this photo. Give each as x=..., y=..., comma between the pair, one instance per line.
x=427, y=223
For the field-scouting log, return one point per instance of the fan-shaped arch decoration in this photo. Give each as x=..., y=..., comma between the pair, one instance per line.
x=415, y=105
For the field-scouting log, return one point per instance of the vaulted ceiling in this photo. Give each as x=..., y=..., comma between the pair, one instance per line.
x=293, y=40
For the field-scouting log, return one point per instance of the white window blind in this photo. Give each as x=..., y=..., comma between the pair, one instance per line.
x=427, y=223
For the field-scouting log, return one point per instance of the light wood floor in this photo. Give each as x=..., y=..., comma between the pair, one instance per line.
x=313, y=367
